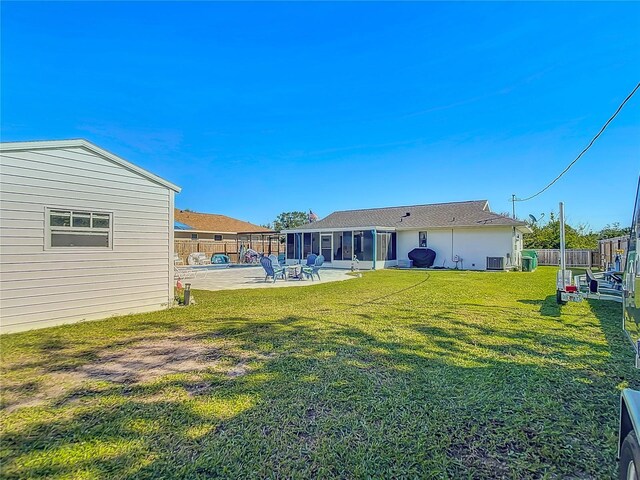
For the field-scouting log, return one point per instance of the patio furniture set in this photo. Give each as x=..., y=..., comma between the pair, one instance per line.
x=275, y=270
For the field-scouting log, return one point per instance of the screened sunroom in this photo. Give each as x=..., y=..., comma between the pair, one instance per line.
x=371, y=248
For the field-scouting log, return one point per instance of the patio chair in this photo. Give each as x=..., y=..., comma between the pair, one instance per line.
x=271, y=270
x=282, y=259
x=274, y=260
x=183, y=273
x=198, y=258
x=219, y=258
x=311, y=260
x=310, y=271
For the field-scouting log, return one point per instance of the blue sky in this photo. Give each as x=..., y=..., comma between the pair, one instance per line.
x=258, y=108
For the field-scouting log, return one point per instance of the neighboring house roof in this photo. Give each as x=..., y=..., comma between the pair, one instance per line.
x=81, y=143
x=454, y=214
x=181, y=226
x=211, y=222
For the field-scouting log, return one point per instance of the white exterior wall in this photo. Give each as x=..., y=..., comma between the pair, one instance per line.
x=473, y=245
x=42, y=287
x=345, y=264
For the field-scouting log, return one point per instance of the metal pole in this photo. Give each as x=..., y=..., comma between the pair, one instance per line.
x=562, y=246
x=187, y=294
x=513, y=205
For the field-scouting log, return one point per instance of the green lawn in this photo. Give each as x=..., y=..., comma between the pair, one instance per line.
x=397, y=374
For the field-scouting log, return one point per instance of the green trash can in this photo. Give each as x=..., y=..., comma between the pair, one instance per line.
x=527, y=264
x=533, y=255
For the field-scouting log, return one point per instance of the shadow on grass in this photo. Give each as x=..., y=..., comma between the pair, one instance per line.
x=622, y=365
x=548, y=307
x=326, y=397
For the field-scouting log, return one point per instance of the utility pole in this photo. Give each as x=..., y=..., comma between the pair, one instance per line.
x=513, y=205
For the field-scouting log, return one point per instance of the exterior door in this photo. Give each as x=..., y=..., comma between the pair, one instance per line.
x=325, y=247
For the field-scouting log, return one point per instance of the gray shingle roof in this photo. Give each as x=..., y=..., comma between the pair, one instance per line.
x=455, y=214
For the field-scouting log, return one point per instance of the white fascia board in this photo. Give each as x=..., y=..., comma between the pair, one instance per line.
x=335, y=229
x=523, y=228
x=455, y=227
x=49, y=144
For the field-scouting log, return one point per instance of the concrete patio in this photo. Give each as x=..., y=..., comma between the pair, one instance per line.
x=253, y=277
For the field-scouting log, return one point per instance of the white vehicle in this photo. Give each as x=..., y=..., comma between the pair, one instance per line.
x=628, y=446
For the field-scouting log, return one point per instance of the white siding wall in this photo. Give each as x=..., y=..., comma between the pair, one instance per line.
x=41, y=287
x=346, y=264
x=474, y=245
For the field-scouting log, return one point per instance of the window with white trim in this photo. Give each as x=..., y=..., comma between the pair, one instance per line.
x=78, y=228
x=217, y=238
x=422, y=239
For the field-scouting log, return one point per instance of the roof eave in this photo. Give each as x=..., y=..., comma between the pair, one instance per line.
x=402, y=228
x=193, y=230
x=331, y=229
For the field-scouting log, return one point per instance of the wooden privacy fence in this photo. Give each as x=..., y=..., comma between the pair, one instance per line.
x=574, y=257
x=611, y=247
x=183, y=247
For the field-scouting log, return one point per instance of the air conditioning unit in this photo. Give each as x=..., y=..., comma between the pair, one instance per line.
x=495, y=263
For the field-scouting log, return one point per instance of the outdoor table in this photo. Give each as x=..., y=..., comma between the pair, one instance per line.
x=294, y=271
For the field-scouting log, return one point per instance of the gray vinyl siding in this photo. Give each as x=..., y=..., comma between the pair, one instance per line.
x=42, y=287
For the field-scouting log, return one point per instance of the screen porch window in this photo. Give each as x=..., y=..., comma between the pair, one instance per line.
x=78, y=228
x=291, y=252
x=386, y=245
x=306, y=245
x=315, y=243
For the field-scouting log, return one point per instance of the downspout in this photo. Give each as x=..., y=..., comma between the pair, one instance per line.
x=452, y=246
x=514, y=248
x=375, y=248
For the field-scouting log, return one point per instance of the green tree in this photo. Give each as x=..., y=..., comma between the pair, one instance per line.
x=612, y=230
x=287, y=220
x=548, y=235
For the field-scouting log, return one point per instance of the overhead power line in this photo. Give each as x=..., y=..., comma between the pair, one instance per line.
x=604, y=127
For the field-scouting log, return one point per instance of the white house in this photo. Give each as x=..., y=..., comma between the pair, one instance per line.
x=84, y=235
x=462, y=234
